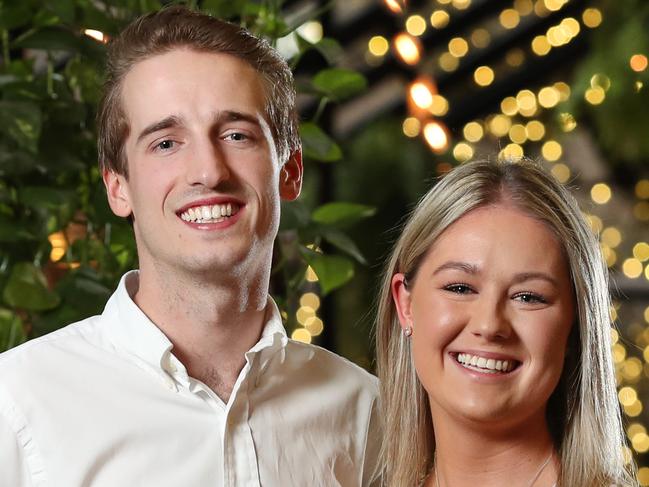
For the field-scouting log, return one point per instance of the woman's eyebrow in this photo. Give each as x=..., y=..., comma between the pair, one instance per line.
x=460, y=266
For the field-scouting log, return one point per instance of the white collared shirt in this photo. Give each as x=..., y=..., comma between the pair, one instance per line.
x=104, y=403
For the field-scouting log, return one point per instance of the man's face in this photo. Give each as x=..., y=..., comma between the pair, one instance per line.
x=204, y=181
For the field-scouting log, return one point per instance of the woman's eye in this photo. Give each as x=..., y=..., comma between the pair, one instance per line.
x=530, y=298
x=459, y=288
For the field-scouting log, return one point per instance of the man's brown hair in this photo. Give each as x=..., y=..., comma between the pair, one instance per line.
x=178, y=27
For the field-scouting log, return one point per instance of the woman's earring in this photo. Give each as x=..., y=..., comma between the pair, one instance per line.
x=408, y=331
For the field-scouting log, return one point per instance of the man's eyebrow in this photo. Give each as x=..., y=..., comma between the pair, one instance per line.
x=165, y=123
x=234, y=116
x=460, y=266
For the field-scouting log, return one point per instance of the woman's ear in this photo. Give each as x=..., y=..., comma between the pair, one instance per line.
x=402, y=301
x=118, y=193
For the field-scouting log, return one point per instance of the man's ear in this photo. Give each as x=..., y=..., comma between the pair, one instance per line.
x=117, y=192
x=402, y=301
x=290, y=177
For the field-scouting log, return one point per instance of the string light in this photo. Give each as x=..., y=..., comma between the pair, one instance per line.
x=408, y=48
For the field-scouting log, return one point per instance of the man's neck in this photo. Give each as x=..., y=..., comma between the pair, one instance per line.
x=211, y=324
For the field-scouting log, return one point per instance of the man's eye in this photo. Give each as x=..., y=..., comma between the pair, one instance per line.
x=165, y=145
x=459, y=288
x=236, y=136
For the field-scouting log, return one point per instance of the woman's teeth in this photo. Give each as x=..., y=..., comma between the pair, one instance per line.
x=483, y=364
x=210, y=214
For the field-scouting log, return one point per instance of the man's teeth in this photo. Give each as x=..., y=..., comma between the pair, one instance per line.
x=209, y=214
x=485, y=364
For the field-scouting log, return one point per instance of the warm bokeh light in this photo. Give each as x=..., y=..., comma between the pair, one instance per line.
x=592, y=17
x=439, y=19
x=421, y=93
x=535, y=130
x=499, y=125
x=408, y=48
x=314, y=326
x=611, y=236
x=641, y=251
x=436, y=136
x=642, y=189
x=567, y=122
x=540, y=45
x=632, y=268
x=551, y=150
x=548, y=97
x=416, y=25
x=509, y=106
x=600, y=193
x=509, y=18
x=638, y=62
x=310, y=300
x=483, y=76
x=462, y=152
x=518, y=134
x=439, y=106
x=96, y=35
x=395, y=6
x=563, y=89
x=301, y=335
x=511, y=152
x=448, y=62
x=59, y=246
x=561, y=172
x=600, y=80
x=473, y=132
x=311, y=276
x=524, y=7
x=411, y=127
x=480, y=38
x=312, y=31
x=595, y=96
x=458, y=47
x=378, y=46
x=554, y=5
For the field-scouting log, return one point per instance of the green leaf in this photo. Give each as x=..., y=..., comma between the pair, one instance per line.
x=22, y=122
x=43, y=196
x=341, y=213
x=12, y=231
x=64, y=9
x=14, y=14
x=12, y=332
x=224, y=9
x=50, y=38
x=330, y=49
x=27, y=289
x=338, y=83
x=294, y=215
x=332, y=270
x=318, y=145
x=341, y=241
x=16, y=162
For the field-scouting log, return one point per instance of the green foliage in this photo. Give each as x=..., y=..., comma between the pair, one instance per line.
x=620, y=121
x=51, y=188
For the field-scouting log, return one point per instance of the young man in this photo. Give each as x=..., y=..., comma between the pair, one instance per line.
x=188, y=377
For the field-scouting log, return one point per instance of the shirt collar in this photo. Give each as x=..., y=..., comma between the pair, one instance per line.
x=134, y=333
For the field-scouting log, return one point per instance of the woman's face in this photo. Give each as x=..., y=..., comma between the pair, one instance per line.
x=491, y=309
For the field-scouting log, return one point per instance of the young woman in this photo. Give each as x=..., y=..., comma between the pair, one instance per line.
x=493, y=339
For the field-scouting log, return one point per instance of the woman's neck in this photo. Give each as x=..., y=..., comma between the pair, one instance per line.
x=469, y=455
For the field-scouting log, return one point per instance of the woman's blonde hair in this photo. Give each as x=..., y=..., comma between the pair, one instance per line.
x=583, y=413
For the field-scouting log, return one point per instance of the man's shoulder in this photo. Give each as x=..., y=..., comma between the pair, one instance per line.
x=325, y=362
x=45, y=350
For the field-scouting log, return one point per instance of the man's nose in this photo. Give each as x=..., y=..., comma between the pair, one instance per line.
x=490, y=320
x=208, y=166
